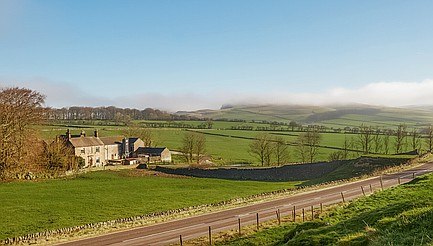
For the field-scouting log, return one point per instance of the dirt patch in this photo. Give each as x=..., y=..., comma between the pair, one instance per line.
x=147, y=173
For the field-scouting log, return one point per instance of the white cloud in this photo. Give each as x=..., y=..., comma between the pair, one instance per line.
x=380, y=93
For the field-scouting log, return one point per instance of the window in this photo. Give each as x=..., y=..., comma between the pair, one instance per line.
x=98, y=160
x=83, y=151
x=97, y=150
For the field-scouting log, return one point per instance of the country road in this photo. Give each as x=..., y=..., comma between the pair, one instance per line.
x=169, y=232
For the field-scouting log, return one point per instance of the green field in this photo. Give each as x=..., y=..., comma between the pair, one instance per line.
x=226, y=147
x=399, y=216
x=29, y=207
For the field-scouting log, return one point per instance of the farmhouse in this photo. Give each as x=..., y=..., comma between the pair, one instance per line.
x=154, y=154
x=91, y=149
x=98, y=151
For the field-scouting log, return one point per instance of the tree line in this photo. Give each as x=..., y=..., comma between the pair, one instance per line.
x=111, y=113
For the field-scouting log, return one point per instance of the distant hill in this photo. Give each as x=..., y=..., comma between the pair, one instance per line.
x=330, y=115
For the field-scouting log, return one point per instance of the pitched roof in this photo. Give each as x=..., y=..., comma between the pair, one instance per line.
x=150, y=151
x=111, y=140
x=85, y=142
x=133, y=140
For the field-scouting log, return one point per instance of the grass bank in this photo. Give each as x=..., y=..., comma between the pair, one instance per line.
x=399, y=216
x=29, y=207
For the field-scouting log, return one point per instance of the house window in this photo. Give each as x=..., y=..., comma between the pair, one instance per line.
x=83, y=151
x=97, y=150
x=98, y=160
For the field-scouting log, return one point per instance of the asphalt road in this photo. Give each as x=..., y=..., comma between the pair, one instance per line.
x=197, y=226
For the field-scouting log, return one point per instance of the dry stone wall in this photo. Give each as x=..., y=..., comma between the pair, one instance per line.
x=284, y=173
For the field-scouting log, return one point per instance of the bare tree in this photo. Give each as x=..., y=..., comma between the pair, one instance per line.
x=386, y=137
x=199, y=146
x=143, y=133
x=429, y=138
x=281, y=150
x=415, y=140
x=365, y=138
x=58, y=157
x=188, y=146
x=193, y=145
x=261, y=148
x=400, y=137
x=346, y=146
x=308, y=144
x=378, y=141
x=20, y=109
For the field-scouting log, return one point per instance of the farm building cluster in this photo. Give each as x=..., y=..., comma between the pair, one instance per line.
x=100, y=151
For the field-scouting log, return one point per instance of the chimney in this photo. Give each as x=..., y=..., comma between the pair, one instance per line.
x=68, y=134
x=83, y=133
x=96, y=134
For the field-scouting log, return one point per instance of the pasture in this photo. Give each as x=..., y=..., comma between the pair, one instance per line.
x=29, y=207
x=223, y=145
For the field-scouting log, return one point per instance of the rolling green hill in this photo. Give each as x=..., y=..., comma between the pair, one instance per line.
x=332, y=116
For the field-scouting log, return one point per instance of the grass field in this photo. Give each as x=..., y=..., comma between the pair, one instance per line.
x=399, y=216
x=224, y=146
x=29, y=207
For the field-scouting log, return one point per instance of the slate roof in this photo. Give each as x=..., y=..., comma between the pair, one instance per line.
x=111, y=140
x=85, y=142
x=150, y=151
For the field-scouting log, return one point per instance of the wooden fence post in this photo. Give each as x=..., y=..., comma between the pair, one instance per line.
x=294, y=213
x=363, y=192
x=239, y=225
x=342, y=196
x=371, y=189
x=210, y=236
x=399, y=181
x=257, y=217
x=303, y=215
x=321, y=207
x=279, y=217
x=180, y=238
x=381, y=183
x=312, y=212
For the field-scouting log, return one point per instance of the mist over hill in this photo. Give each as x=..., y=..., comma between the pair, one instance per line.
x=347, y=114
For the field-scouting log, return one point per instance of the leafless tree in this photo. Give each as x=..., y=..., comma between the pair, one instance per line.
x=20, y=109
x=58, y=157
x=429, y=138
x=346, y=147
x=400, y=137
x=386, y=136
x=193, y=145
x=199, y=146
x=144, y=133
x=365, y=138
x=281, y=150
x=308, y=144
x=415, y=140
x=188, y=146
x=378, y=141
x=261, y=148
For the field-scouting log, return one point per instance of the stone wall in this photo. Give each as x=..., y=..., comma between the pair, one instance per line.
x=283, y=173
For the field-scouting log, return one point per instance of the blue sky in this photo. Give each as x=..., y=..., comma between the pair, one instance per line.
x=192, y=54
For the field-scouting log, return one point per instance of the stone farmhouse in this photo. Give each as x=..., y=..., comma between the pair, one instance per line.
x=99, y=151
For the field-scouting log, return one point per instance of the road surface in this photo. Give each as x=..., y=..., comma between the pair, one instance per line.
x=197, y=226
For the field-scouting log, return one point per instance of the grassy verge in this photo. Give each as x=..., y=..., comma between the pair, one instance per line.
x=399, y=216
x=29, y=207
